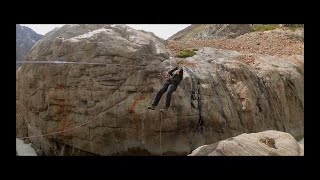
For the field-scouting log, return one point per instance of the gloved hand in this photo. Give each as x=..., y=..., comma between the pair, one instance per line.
x=175, y=68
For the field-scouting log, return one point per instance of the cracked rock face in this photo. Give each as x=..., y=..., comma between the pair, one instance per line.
x=267, y=143
x=223, y=94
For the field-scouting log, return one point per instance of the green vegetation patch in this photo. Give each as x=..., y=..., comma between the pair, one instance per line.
x=186, y=53
x=267, y=27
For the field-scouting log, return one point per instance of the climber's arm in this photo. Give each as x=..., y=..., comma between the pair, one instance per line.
x=170, y=72
x=181, y=73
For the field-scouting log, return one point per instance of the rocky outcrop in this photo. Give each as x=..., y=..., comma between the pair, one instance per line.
x=23, y=149
x=211, y=31
x=25, y=39
x=301, y=141
x=267, y=143
x=223, y=94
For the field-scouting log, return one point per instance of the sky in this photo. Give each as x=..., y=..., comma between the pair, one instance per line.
x=161, y=30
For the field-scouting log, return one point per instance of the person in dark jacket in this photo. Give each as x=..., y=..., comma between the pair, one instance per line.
x=172, y=83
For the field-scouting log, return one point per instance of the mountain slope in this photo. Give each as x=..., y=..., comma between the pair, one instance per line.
x=25, y=39
x=211, y=31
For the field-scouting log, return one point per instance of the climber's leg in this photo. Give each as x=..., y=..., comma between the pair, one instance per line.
x=172, y=88
x=159, y=95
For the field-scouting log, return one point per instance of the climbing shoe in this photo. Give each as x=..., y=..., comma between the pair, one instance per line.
x=152, y=107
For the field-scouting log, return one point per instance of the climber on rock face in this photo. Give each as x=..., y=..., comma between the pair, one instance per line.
x=172, y=83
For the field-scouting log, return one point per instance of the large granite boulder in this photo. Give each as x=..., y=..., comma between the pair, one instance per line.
x=100, y=103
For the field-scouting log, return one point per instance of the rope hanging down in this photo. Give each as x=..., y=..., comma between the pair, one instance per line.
x=164, y=78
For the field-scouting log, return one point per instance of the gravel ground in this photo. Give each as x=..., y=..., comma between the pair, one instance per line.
x=276, y=42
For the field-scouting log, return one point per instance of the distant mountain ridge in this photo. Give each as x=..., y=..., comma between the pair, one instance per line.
x=25, y=39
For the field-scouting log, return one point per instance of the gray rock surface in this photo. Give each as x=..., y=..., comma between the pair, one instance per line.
x=267, y=143
x=301, y=141
x=223, y=94
x=23, y=149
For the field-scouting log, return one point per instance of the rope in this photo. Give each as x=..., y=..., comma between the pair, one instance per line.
x=163, y=78
x=57, y=132
x=160, y=144
x=65, y=62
